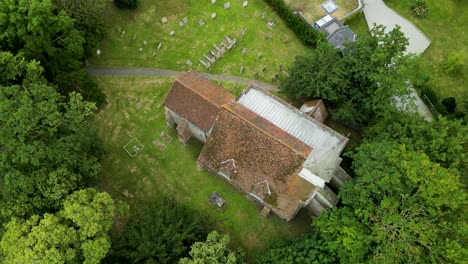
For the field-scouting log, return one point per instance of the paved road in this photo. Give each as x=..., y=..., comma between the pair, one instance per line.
x=161, y=72
x=376, y=12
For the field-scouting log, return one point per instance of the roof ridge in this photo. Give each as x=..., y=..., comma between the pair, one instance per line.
x=227, y=106
x=196, y=92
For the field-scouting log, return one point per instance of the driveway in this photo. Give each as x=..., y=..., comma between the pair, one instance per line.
x=376, y=12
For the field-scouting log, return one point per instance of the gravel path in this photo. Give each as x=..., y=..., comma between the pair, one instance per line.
x=376, y=12
x=161, y=72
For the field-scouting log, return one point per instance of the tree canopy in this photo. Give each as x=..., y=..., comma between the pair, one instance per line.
x=75, y=234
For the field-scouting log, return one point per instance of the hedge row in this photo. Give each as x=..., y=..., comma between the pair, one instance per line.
x=308, y=35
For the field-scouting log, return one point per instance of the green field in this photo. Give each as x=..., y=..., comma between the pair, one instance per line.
x=153, y=172
x=447, y=27
x=278, y=45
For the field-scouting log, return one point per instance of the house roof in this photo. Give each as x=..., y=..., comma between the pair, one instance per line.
x=263, y=153
x=341, y=36
x=197, y=99
x=326, y=143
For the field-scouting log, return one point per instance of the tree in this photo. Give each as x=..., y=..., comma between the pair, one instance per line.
x=39, y=32
x=88, y=16
x=158, y=232
x=318, y=74
x=126, y=4
x=63, y=237
x=215, y=251
x=47, y=149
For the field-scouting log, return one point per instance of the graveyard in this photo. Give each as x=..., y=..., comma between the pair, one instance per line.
x=313, y=9
x=145, y=159
x=237, y=38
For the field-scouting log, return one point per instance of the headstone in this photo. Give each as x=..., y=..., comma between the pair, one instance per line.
x=244, y=51
x=172, y=33
x=98, y=52
x=213, y=16
x=259, y=55
x=189, y=63
x=134, y=37
x=154, y=54
x=243, y=32
x=213, y=2
x=263, y=15
x=123, y=32
x=206, y=64
x=138, y=106
x=164, y=20
x=144, y=42
x=227, y=5
x=201, y=22
x=141, y=49
x=271, y=23
x=185, y=20
x=241, y=69
x=245, y=3
x=181, y=23
x=159, y=46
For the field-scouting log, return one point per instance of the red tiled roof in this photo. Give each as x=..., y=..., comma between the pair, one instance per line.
x=197, y=99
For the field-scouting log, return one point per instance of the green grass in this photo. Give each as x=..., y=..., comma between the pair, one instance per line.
x=357, y=23
x=447, y=27
x=153, y=173
x=278, y=45
x=313, y=10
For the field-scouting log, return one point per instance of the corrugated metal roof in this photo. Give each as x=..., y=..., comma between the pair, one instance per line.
x=325, y=142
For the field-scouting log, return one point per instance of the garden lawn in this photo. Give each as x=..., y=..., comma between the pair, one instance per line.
x=154, y=173
x=313, y=10
x=278, y=46
x=447, y=27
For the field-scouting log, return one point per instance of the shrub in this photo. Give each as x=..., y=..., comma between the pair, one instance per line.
x=126, y=4
x=308, y=35
x=419, y=8
x=450, y=104
x=455, y=62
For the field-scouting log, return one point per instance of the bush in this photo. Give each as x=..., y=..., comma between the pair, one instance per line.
x=427, y=94
x=419, y=8
x=308, y=35
x=450, y=104
x=126, y=4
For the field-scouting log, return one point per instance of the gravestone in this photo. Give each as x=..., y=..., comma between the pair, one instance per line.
x=159, y=46
x=138, y=106
x=259, y=55
x=241, y=69
x=245, y=3
x=263, y=15
x=206, y=64
x=213, y=16
x=172, y=33
x=164, y=20
x=154, y=54
x=244, y=51
x=141, y=49
x=185, y=20
x=134, y=37
x=227, y=5
x=201, y=22
x=213, y=2
x=144, y=42
x=271, y=23
x=98, y=52
x=181, y=23
x=243, y=32
x=189, y=63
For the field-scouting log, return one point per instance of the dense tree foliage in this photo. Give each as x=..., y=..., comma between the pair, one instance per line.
x=215, y=251
x=47, y=150
x=75, y=234
x=126, y=4
x=158, y=231
x=360, y=84
x=407, y=203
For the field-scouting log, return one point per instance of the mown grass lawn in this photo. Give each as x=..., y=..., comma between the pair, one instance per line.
x=447, y=27
x=153, y=173
x=278, y=45
x=313, y=10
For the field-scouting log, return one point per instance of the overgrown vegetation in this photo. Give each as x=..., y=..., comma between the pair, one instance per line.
x=126, y=4
x=419, y=8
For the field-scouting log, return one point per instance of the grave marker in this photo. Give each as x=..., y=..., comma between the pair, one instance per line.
x=144, y=42
x=172, y=33
x=185, y=20
x=98, y=52
x=244, y=51
x=164, y=20
x=213, y=16
x=227, y=5
x=213, y=2
x=181, y=23
x=201, y=22
x=259, y=55
x=159, y=46
x=189, y=63
x=245, y=3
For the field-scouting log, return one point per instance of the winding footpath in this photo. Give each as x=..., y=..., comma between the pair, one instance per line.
x=377, y=12
x=170, y=73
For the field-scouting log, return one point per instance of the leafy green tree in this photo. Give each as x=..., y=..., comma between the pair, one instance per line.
x=39, y=32
x=215, y=251
x=318, y=74
x=88, y=16
x=47, y=150
x=16, y=70
x=77, y=234
x=158, y=232
x=126, y=4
